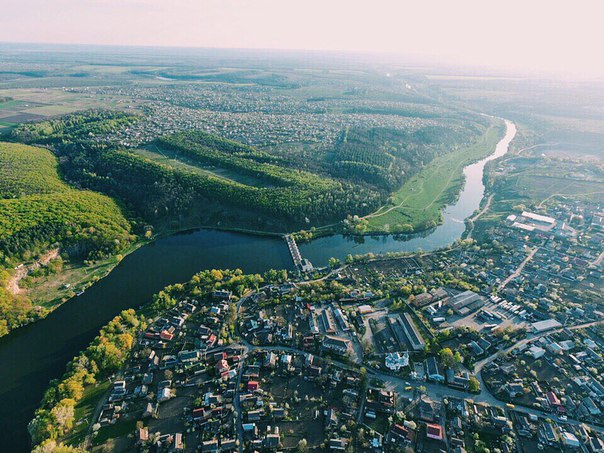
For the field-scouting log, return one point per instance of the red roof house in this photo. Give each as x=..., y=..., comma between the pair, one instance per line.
x=434, y=431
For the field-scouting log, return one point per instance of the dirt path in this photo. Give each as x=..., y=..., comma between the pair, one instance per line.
x=598, y=260
x=13, y=283
x=518, y=271
x=472, y=220
x=22, y=270
x=540, y=205
x=483, y=210
x=520, y=151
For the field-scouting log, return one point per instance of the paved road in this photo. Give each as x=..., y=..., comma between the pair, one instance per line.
x=480, y=365
x=435, y=391
x=598, y=260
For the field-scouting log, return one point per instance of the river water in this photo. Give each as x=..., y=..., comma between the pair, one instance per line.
x=35, y=354
x=320, y=250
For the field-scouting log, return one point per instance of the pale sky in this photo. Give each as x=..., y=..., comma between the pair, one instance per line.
x=548, y=35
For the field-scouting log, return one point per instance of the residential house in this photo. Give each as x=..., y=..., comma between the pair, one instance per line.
x=433, y=370
x=434, y=431
x=429, y=410
x=514, y=389
x=338, y=345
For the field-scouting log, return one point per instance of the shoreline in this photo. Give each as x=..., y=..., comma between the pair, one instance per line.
x=83, y=285
x=326, y=233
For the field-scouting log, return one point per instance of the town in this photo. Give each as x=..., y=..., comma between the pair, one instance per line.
x=266, y=227
x=464, y=349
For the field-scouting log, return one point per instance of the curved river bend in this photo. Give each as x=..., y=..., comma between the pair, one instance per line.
x=35, y=354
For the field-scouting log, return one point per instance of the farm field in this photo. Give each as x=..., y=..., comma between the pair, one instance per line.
x=35, y=104
x=534, y=182
x=537, y=184
x=541, y=188
x=419, y=202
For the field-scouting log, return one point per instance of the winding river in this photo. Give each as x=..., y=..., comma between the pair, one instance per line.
x=320, y=250
x=31, y=356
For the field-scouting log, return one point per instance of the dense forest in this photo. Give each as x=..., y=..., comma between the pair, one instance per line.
x=154, y=190
x=38, y=211
x=75, y=128
x=356, y=177
x=385, y=158
x=364, y=168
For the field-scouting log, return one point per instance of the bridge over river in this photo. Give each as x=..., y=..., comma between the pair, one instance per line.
x=301, y=264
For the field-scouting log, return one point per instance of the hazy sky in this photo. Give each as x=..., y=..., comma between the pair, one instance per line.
x=535, y=34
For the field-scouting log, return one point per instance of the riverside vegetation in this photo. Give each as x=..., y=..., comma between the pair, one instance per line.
x=39, y=212
x=217, y=179
x=280, y=153
x=66, y=401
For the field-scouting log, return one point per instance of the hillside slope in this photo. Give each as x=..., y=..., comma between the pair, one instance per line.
x=39, y=212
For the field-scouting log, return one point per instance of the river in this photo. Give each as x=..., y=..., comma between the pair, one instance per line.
x=35, y=354
x=320, y=250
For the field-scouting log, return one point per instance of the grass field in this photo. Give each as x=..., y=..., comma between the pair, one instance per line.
x=542, y=188
x=39, y=103
x=419, y=202
x=84, y=410
x=5, y=125
x=120, y=429
x=172, y=159
x=535, y=183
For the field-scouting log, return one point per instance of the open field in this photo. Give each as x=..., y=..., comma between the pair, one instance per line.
x=84, y=411
x=34, y=104
x=535, y=182
x=541, y=188
x=174, y=160
x=420, y=201
x=566, y=115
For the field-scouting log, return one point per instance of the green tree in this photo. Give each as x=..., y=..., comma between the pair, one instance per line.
x=474, y=385
x=302, y=445
x=447, y=358
x=333, y=262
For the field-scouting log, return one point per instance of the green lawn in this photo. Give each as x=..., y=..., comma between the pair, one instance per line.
x=114, y=431
x=11, y=104
x=84, y=411
x=421, y=199
x=170, y=158
x=543, y=187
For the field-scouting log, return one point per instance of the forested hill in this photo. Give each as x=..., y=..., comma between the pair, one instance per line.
x=207, y=170
x=221, y=181
x=38, y=211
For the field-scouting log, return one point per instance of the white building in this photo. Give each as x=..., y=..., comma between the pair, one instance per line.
x=395, y=361
x=536, y=352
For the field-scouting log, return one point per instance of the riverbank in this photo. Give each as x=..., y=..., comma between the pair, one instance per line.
x=37, y=353
x=49, y=292
x=31, y=360
x=57, y=289
x=418, y=205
